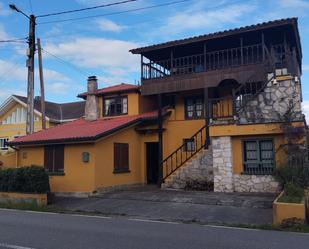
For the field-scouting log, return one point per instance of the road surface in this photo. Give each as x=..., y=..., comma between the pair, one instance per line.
x=31, y=230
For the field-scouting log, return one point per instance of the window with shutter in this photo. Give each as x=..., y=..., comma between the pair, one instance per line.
x=121, y=157
x=258, y=156
x=54, y=158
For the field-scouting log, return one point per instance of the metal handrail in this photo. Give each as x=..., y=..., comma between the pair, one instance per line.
x=181, y=155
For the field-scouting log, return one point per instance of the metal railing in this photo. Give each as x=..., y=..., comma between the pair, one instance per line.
x=259, y=169
x=183, y=153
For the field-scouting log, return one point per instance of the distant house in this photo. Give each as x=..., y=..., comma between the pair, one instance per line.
x=13, y=116
x=208, y=109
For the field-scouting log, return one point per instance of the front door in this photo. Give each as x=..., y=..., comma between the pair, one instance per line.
x=152, y=151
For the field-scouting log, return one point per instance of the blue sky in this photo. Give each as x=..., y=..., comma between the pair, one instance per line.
x=99, y=46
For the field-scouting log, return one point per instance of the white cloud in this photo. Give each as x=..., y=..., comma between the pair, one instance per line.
x=14, y=80
x=298, y=4
x=108, y=25
x=58, y=88
x=197, y=18
x=305, y=107
x=305, y=67
x=97, y=53
x=3, y=34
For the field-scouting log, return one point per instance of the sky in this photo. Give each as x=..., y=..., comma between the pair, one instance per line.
x=74, y=50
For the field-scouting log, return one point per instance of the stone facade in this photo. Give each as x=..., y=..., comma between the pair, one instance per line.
x=273, y=102
x=222, y=164
x=226, y=181
x=198, y=168
x=255, y=183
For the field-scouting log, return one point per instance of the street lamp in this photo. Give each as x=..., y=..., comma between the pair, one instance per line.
x=30, y=65
x=13, y=7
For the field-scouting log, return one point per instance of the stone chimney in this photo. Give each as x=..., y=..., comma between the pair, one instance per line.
x=91, y=109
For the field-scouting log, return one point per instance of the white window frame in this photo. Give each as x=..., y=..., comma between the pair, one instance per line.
x=3, y=140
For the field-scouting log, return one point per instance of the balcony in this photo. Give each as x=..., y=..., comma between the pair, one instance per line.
x=199, y=63
x=210, y=68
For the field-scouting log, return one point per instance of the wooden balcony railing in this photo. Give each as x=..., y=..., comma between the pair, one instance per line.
x=221, y=108
x=197, y=63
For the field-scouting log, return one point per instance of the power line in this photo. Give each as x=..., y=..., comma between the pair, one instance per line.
x=116, y=13
x=89, y=8
x=66, y=63
x=14, y=40
x=30, y=4
x=10, y=70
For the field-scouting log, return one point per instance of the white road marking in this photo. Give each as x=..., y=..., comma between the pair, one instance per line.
x=155, y=221
x=8, y=246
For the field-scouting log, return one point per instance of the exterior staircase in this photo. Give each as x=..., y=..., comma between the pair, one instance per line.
x=191, y=161
x=198, y=168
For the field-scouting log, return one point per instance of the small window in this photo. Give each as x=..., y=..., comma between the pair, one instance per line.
x=194, y=108
x=115, y=106
x=54, y=158
x=259, y=156
x=189, y=144
x=3, y=144
x=121, y=157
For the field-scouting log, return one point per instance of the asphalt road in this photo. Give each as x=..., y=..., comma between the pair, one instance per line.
x=29, y=230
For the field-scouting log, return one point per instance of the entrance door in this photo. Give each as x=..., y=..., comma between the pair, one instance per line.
x=152, y=151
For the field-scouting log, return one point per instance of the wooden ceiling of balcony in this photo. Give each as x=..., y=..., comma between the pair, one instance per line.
x=273, y=31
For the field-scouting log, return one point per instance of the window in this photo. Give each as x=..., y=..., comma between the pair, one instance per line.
x=189, y=144
x=115, y=106
x=121, y=157
x=194, y=108
x=258, y=156
x=54, y=158
x=3, y=144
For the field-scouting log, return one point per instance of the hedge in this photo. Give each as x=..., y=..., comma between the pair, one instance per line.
x=31, y=179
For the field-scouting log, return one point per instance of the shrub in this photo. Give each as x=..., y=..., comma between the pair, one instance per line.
x=297, y=173
x=292, y=193
x=199, y=185
x=31, y=179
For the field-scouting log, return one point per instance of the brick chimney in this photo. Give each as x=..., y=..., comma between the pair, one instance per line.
x=91, y=109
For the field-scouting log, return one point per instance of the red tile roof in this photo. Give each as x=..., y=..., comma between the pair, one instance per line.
x=82, y=130
x=123, y=87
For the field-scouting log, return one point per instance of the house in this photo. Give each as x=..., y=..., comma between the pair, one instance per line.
x=209, y=108
x=13, y=116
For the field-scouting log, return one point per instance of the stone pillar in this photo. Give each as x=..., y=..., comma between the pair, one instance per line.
x=222, y=164
x=91, y=109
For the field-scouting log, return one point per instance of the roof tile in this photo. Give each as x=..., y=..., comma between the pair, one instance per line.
x=82, y=130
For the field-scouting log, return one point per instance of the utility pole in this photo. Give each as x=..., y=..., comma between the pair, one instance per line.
x=30, y=65
x=30, y=87
x=41, y=84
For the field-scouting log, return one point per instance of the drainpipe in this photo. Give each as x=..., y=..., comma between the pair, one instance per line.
x=160, y=139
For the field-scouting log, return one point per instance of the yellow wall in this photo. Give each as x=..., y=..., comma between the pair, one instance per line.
x=137, y=104
x=237, y=147
x=104, y=154
x=11, y=130
x=78, y=176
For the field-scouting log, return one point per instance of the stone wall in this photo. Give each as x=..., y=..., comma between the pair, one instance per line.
x=273, y=102
x=222, y=164
x=226, y=181
x=255, y=183
x=199, y=168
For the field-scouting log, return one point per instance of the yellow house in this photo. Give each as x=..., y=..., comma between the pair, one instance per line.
x=209, y=108
x=13, y=119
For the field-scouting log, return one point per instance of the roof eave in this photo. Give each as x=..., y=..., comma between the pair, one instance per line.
x=80, y=139
x=255, y=27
